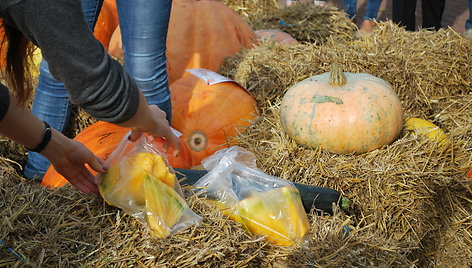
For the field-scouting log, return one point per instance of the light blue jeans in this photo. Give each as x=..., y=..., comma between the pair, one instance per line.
x=144, y=26
x=371, y=12
x=468, y=23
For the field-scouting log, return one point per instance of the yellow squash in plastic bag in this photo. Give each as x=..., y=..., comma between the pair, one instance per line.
x=277, y=214
x=164, y=206
x=124, y=180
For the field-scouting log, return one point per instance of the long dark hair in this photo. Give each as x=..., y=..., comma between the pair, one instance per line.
x=17, y=51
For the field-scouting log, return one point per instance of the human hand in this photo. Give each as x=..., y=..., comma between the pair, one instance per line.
x=69, y=158
x=158, y=127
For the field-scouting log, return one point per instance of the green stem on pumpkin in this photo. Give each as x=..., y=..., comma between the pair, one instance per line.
x=345, y=203
x=336, y=76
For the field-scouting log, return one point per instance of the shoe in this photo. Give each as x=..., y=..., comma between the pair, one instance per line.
x=468, y=34
x=319, y=3
x=367, y=26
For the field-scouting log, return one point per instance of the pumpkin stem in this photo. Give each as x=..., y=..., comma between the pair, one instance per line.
x=336, y=76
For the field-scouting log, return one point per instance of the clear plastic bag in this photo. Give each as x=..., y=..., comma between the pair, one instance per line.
x=265, y=205
x=140, y=181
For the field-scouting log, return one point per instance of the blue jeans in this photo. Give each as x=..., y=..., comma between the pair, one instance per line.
x=371, y=12
x=144, y=26
x=468, y=23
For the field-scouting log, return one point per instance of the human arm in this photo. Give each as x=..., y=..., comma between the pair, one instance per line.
x=140, y=122
x=68, y=156
x=95, y=81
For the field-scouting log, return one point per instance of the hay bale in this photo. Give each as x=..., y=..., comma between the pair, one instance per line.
x=12, y=151
x=453, y=247
x=249, y=9
x=308, y=23
x=63, y=227
x=412, y=202
x=305, y=22
x=450, y=244
x=421, y=66
x=397, y=205
x=398, y=189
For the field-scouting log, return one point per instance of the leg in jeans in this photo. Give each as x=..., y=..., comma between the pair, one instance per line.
x=403, y=13
x=51, y=101
x=432, y=13
x=468, y=23
x=371, y=13
x=144, y=25
x=372, y=9
x=350, y=7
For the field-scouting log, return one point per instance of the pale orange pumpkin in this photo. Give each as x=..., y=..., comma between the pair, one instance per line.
x=201, y=35
x=106, y=23
x=342, y=112
x=102, y=138
x=276, y=35
x=207, y=115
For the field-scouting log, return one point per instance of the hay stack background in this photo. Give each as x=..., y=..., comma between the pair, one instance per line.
x=423, y=67
x=306, y=23
x=412, y=202
x=403, y=191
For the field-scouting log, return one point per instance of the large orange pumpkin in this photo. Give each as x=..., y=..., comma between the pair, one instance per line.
x=209, y=114
x=201, y=35
x=102, y=138
x=342, y=112
x=106, y=23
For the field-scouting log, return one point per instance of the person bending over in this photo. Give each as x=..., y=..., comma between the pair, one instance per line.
x=94, y=81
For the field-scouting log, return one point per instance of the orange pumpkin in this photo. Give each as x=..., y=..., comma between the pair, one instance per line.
x=207, y=115
x=277, y=36
x=201, y=35
x=102, y=138
x=342, y=112
x=106, y=23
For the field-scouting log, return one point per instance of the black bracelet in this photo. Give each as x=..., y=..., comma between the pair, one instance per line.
x=45, y=141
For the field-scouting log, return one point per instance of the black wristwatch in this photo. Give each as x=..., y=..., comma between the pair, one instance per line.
x=45, y=141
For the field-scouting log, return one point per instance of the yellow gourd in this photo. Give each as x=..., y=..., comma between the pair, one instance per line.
x=428, y=130
x=123, y=182
x=277, y=214
x=144, y=186
x=164, y=206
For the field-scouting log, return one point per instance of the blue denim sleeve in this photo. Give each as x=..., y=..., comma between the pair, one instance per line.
x=94, y=81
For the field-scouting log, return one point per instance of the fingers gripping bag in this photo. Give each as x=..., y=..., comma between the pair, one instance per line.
x=265, y=205
x=140, y=181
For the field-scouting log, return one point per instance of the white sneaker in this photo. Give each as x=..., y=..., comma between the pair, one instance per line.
x=319, y=3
